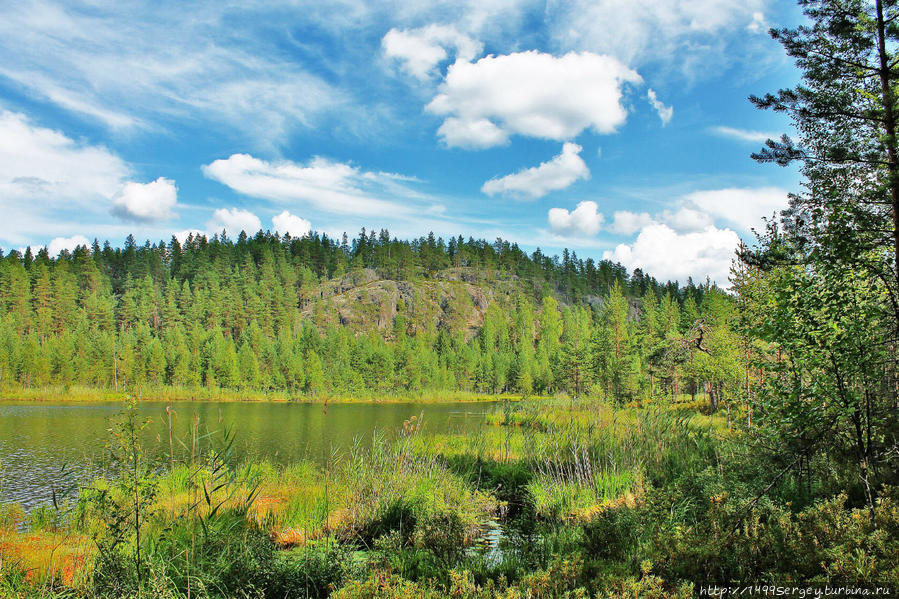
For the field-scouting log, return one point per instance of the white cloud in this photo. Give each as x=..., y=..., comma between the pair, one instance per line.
x=742, y=207
x=537, y=181
x=182, y=236
x=585, y=220
x=233, y=221
x=146, y=202
x=758, y=24
x=59, y=244
x=665, y=112
x=684, y=33
x=472, y=133
x=327, y=185
x=625, y=222
x=668, y=255
x=744, y=134
x=420, y=51
x=52, y=185
x=531, y=94
x=291, y=224
x=40, y=162
x=686, y=219
x=131, y=65
x=46, y=176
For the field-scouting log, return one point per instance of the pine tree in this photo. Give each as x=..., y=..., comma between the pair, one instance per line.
x=248, y=367
x=314, y=374
x=821, y=285
x=576, y=350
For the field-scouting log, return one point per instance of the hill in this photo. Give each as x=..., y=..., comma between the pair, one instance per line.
x=316, y=316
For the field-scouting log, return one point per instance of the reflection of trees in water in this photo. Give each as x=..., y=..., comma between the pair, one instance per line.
x=47, y=447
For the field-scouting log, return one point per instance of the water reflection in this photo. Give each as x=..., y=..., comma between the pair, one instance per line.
x=50, y=445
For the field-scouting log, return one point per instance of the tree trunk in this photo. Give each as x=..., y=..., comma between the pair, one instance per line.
x=862, y=457
x=889, y=125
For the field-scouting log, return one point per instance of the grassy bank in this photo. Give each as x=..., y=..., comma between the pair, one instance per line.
x=552, y=499
x=80, y=393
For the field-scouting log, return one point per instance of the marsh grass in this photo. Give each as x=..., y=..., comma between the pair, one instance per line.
x=44, y=559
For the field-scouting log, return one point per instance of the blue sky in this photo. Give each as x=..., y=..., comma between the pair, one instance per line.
x=620, y=130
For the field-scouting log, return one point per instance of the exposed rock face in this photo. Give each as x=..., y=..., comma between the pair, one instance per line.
x=363, y=301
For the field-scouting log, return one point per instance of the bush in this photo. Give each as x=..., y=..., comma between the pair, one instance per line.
x=226, y=555
x=825, y=543
x=312, y=572
x=613, y=533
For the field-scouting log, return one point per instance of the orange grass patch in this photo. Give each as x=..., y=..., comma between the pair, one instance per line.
x=291, y=536
x=628, y=499
x=47, y=557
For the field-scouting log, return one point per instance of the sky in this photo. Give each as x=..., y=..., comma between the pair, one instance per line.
x=619, y=130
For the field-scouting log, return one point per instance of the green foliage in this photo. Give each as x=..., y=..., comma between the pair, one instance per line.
x=269, y=313
x=818, y=292
x=126, y=505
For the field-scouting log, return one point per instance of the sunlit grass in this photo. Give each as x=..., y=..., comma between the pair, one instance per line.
x=84, y=393
x=47, y=558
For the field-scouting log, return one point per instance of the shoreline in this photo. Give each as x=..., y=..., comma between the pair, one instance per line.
x=78, y=394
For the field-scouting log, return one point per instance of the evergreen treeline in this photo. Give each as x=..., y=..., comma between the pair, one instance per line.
x=236, y=314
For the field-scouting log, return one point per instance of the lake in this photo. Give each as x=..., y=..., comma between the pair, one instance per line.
x=46, y=446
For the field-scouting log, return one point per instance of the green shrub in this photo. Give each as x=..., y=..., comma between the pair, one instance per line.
x=224, y=555
x=613, y=533
x=311, y=572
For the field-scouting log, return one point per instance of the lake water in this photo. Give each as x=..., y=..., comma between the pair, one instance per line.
x=47, y=446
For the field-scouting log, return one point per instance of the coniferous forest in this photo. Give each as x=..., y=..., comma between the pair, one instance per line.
x=314, y=317
x=613, y=436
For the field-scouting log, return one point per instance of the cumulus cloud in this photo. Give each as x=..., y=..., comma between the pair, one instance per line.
x=531, y=94
x=741, y=207
x=59, y=244
x=665, y=112
x=40, y=162
x=625, y=222
x=692, y=238
x=758, y=24
x=327, y=185
x=759, y=137
x=146, y=202
x=420, y=51
x=291, y=224
x=537, y=181
x=585, y=220
x=669, y=255
x=472, y=133
x=233, y=221
x=45, y=174
x=686, y=219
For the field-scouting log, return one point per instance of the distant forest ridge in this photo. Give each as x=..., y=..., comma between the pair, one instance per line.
x=314, y=315
x=398, y=259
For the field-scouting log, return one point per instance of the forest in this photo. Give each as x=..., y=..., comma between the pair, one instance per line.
x=639, y=439
x=257, y=315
